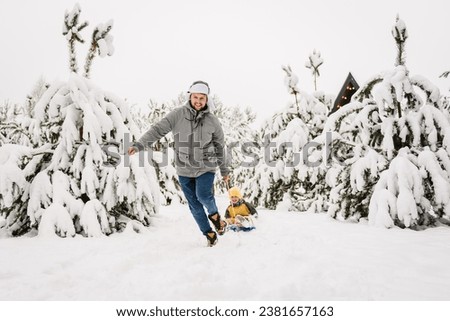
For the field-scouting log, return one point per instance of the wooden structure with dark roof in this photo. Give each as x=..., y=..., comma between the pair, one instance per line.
x=345, y=94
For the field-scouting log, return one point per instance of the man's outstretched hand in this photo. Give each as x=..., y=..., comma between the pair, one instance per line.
x=131, y=151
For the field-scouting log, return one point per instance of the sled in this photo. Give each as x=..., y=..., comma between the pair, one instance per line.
x=242, y=223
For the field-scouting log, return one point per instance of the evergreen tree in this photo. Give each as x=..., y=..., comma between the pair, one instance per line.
x=314, y=62
x=162, y=156
x=18, y=164
x=78, y=182
x=101, y=41
x=291, y=81
x=400, y=34
x=8, y=127
x=36, y=93
x=398, y=131
x=285, y=167
x=301, y=160
x=80, y=121
x=236, y=123
x=72, y=29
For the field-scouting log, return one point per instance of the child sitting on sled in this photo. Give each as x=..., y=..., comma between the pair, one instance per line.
x=239, y=213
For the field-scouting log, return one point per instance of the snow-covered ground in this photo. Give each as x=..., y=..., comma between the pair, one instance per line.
x=290, y=256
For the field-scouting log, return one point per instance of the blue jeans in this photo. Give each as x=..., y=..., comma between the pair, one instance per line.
x=199, y=194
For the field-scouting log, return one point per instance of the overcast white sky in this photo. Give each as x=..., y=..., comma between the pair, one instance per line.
x=237, y=46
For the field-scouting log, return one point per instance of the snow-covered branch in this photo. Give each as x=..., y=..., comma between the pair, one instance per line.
x=101, y=42
x=71, y=30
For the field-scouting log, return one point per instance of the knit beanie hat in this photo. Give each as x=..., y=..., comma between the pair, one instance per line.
x=234, y=191
x=199, y=87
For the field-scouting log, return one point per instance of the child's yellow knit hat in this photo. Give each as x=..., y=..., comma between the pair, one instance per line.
x=234, y=191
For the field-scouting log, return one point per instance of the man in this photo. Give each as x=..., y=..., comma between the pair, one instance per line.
x=199, y=150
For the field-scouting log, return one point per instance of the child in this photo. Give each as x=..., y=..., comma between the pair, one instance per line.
x=239, y=213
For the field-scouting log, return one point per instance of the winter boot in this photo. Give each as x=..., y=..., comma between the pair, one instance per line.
x=218, y=223
x=211, y=237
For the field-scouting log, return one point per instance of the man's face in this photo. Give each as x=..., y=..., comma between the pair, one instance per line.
x=198, y=101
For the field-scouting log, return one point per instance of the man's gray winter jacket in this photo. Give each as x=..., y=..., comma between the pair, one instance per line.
x=199, y=140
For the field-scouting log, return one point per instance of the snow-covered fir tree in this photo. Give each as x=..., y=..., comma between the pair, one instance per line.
x=36, y=93
x=19, y=162
x=20, y=123
x=268, y=192
x=236, y=123
x=314, y=62
x=162, y=156
x=101, y=40
x=8, y=126
x=283, y=170
x=82, y=122
x=80, y=183
x=397, y=133
x=72, y=31
x=18, y=166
